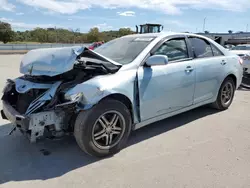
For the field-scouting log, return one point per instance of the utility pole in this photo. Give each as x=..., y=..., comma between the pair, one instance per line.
x=204, y=24
x=247, y=28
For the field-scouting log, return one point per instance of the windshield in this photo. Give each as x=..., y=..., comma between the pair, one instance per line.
x=124, y=50
x=241, y=48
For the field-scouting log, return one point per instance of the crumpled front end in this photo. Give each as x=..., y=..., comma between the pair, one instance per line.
x=35, y=109
x=36, y=102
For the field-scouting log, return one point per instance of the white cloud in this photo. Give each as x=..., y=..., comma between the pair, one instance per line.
x=74, y=17
x=19, y=13
x=22, y=25
x=5, y=20
x=166, y=6
x=126, y=13
x=65, y=7
x=4, y=5
x=103, y=26
x=49, y=12
x=127, y=27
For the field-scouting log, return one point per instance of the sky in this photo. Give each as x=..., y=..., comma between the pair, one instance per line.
x=175, y=15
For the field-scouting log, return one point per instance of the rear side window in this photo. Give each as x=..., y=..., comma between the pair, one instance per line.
x=175, y=49
x=202, y=48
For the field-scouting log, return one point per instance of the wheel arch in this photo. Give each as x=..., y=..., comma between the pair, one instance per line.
x=123, y=99
x=233, y=77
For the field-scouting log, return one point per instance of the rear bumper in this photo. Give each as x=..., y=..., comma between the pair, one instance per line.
x=245, y=79
x=246, y=66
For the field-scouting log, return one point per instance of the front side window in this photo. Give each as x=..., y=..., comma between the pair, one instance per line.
x=175, y=49
x=202, y=48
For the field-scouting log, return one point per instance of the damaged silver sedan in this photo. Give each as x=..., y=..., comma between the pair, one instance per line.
x=100, y=96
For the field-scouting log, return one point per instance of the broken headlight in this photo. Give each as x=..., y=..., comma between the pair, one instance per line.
x=74, y=97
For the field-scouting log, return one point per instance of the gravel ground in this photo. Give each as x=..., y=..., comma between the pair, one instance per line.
x=200, y=148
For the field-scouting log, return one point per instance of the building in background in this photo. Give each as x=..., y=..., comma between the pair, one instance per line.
x=229, y=38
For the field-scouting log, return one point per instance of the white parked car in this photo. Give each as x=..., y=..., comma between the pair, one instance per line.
x=243, y=50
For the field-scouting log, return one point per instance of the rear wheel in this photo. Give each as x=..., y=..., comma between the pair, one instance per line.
x=104, y=129
x=225, y=95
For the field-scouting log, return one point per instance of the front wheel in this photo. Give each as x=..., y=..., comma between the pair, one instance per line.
x=225, y=95
x=104, y=129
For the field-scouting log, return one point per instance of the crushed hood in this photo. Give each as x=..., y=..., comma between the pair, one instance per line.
x=55, y=61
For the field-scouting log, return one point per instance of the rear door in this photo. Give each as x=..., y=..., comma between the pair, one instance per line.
x=210, y=65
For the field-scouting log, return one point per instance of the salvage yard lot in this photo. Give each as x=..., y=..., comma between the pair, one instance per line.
x=200, y=148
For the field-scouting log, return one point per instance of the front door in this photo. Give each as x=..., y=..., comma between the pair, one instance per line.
x=167, y=88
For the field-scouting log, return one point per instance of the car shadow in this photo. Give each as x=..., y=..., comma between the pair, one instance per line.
x=21, y=161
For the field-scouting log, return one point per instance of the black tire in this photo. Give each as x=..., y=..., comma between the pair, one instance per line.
x=245, y=81
x=86, y=122
x=219, y=103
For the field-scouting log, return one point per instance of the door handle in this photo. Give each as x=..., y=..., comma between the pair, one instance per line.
x=223, y=62
x=189, y=69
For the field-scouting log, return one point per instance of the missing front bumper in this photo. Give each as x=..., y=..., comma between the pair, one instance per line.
x=34, y=125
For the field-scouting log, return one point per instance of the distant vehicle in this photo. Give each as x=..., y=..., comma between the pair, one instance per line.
x=101, y=95
x=149, y=28
x=243, y=50
x=95, y=45
x=229, y=46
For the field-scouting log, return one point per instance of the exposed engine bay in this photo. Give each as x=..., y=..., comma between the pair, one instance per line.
x=37, y=104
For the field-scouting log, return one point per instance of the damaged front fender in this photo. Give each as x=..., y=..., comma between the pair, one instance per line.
x=100, y=87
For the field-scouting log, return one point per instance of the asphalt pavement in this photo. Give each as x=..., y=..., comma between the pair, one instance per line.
x=200, y=148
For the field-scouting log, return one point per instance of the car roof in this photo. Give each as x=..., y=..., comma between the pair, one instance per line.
x=162, y=34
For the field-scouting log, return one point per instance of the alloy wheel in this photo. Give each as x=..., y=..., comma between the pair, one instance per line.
x=227, y=93
x=108, y=130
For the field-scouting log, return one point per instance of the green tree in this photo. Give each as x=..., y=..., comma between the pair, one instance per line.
x=6, y=33
x=125, y=31
x=58, y=35
x=39, y=35
x=94, y=35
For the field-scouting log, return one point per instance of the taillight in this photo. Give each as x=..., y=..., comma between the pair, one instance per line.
x=240, y=61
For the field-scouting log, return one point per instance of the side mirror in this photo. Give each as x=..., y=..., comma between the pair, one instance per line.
x=157, y=60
